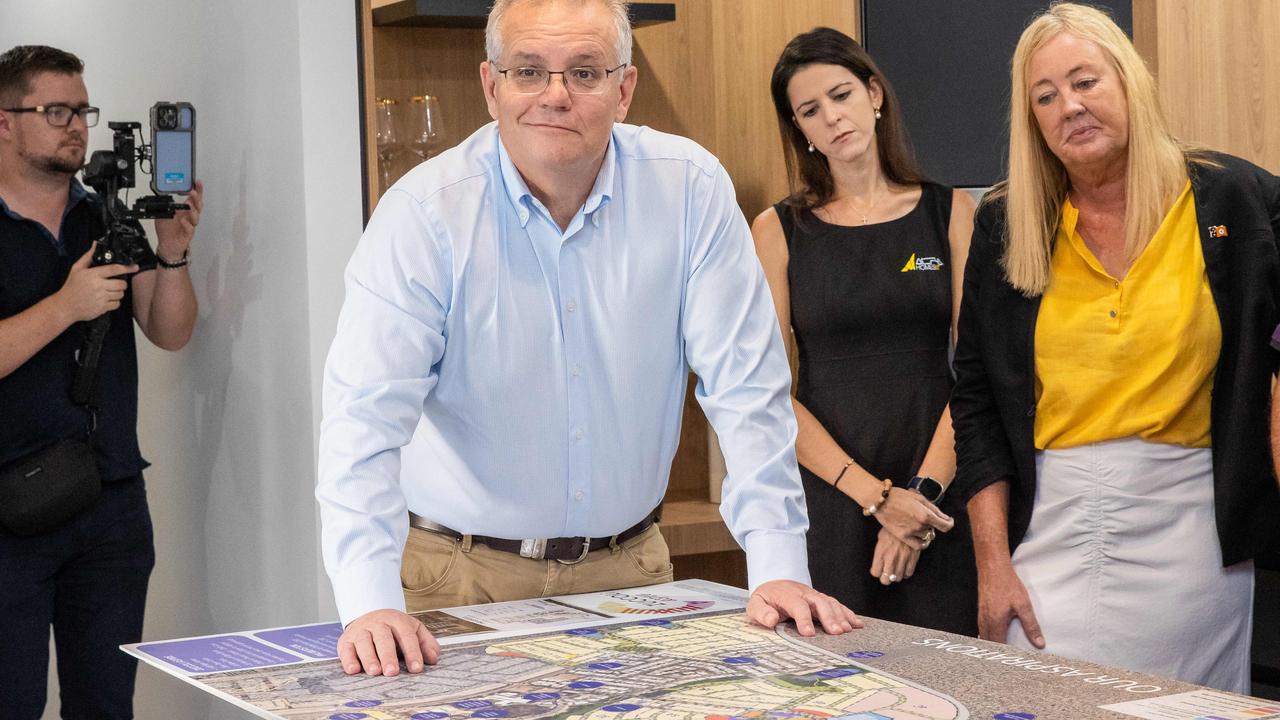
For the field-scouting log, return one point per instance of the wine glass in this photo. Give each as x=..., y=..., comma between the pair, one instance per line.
x=386, y=136
x=424, y=125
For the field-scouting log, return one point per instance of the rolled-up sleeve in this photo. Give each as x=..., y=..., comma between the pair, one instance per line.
x=733, y=344
x=983, y=455
x=379, y=370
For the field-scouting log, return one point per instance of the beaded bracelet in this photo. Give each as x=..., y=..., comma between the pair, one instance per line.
x=836, y=484
x=180, y=262
x=871, y=509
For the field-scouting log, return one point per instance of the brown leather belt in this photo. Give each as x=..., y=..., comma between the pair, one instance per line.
x=567, y=550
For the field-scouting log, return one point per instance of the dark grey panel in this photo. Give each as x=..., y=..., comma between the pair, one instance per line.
x=948, y=60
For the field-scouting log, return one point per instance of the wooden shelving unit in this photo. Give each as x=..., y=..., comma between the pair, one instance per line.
x=694, y=527
x=473, y=13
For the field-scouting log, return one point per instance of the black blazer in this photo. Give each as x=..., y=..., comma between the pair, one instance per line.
x=993, y=404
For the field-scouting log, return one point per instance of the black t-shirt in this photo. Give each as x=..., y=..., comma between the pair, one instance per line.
x=35, y=399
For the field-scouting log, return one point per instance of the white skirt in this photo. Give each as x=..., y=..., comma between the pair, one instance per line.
x=1123, y=565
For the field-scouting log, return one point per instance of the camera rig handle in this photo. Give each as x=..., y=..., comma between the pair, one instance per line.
x=84, y=385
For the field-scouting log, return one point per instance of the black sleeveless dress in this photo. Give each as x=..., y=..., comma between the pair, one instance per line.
x=871, y=311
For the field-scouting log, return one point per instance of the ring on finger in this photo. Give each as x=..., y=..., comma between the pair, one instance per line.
x=893, y=578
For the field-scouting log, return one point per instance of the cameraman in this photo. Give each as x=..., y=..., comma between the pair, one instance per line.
x=88, y=576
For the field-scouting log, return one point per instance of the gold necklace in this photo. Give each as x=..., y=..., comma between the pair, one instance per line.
x=866, y=214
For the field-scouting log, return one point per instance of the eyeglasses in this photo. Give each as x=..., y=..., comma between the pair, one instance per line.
x=61, y=115
x=586, y=80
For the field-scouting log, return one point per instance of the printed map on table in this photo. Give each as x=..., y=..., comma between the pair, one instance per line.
x=701, y=668
x=517, y=618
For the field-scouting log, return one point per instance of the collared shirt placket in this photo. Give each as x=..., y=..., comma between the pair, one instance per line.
x=562, y=257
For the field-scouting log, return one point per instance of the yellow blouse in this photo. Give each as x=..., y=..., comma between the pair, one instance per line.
x=1132, y=357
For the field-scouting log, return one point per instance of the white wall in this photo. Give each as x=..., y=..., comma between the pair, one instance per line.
x=230, y=422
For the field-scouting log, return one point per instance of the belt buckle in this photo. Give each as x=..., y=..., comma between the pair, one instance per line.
x=586, y=548
x=532, y=548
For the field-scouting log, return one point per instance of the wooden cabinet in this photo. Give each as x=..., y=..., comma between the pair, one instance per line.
x=1217, y=67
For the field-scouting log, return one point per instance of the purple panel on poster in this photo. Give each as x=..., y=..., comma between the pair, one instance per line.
x=217, y=654
x=316, y=641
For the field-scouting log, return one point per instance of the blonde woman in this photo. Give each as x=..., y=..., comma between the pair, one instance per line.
x=1113, y=371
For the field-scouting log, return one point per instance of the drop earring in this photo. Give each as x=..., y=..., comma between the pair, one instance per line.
x=810, y=146
x=877, y=113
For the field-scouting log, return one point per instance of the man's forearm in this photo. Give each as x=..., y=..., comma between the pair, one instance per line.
x=364, y=518
x=989, y=520
x=172, y=316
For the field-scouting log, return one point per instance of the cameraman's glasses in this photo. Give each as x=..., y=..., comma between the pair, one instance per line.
x=579, y=81
x=60, y=115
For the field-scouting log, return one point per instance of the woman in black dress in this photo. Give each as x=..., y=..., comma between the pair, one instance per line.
x=865, y=260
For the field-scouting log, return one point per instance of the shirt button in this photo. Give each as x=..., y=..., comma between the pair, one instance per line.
x=578, y=434
x=575, y=371
x=1113, y=313
x=579, y=495
x=571, y=306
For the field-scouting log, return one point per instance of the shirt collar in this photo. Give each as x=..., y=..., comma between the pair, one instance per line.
x=76, y=194
x=522, y=199
x=1069, y=217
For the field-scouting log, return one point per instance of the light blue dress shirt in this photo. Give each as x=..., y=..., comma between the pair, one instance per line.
x=541, y=373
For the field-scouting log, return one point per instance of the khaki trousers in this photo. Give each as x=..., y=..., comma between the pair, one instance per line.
x=438, y=571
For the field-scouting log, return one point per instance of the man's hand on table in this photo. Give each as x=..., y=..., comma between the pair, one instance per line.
x=778, y=600
x=375, y=642
x=370, y=643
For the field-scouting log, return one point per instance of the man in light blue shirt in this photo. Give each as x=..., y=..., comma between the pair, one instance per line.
x=531, y=301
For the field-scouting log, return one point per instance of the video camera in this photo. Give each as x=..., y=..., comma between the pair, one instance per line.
x=170, y=158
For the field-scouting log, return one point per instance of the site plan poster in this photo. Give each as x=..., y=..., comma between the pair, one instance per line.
x=678, y=651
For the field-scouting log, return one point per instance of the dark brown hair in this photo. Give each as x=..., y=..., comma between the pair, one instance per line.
x=808, y=174
x=20, y=64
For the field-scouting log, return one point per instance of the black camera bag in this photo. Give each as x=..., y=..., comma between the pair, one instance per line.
x=48, y=487
x=44, y=489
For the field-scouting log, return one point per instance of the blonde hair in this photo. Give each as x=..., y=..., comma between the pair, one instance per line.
x=1037, y=183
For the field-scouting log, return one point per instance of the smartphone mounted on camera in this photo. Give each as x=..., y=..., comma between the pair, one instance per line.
x=173, y=147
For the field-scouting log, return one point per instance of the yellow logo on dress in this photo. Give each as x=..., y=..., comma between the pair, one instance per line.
x=924, y=263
